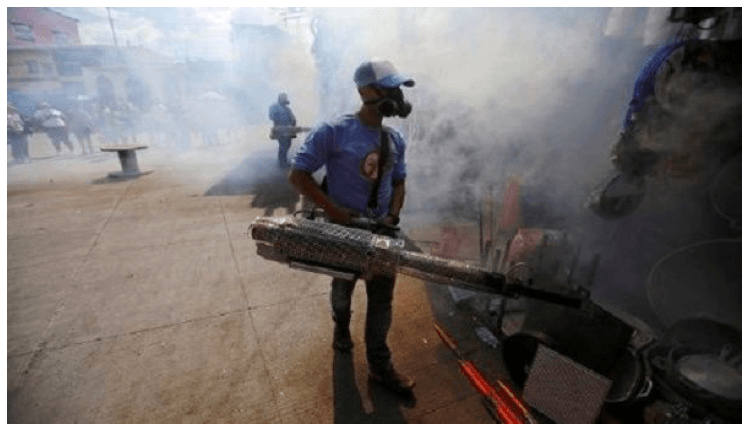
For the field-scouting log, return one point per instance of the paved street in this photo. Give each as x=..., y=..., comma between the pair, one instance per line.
x=144, y=301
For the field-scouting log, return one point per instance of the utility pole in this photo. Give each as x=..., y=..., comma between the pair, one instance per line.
x=111, y=24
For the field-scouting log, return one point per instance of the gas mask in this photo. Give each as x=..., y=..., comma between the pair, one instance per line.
x=392, y=103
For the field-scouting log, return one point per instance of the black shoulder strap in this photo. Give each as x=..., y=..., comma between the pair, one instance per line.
x=384, y=154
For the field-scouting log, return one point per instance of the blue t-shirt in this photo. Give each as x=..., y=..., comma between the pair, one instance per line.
x=645, y=82
x=281, y=115
x=350, y=151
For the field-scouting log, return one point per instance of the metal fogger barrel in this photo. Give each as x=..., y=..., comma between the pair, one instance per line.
x=351, y=253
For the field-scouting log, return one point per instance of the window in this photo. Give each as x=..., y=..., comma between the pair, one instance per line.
x=32, y=66
x=22, y=31
x=69, y=69
x=61, y=38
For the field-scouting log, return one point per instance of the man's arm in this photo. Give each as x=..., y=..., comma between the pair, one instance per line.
x=306, y=185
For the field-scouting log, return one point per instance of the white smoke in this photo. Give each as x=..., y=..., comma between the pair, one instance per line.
x=530, y=93
x=535, y=94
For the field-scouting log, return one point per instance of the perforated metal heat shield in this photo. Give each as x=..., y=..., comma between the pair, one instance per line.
x=361, y=252
x=564, y=390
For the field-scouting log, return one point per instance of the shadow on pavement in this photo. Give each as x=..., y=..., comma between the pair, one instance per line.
x=347, y=400
x=115, y=178
x=261, y=178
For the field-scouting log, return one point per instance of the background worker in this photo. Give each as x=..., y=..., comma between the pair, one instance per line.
x=365, y=164
x=282, y=116
x=81, y=124
x=52, y=122
x=18, y=131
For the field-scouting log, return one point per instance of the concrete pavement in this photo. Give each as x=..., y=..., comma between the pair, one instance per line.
x=144, y=302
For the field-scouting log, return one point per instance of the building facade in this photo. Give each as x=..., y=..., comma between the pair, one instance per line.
x=39, y=26
x=111, y=75
x=46, y=62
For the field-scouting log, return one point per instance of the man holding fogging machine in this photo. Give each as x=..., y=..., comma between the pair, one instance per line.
x=284, y=123
x=365, y=164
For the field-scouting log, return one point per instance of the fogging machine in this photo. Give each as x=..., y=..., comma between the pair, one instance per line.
x=349, y=253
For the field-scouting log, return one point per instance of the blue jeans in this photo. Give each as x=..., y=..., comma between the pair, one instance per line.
x=379, y=294
x=19, y=146
x=284, y=143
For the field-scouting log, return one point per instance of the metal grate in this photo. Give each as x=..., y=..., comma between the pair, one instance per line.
x=563, y=389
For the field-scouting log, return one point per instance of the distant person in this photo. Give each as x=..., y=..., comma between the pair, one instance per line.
x=18, y=131
x=81, y=124
x=53, y=123
x=283, y=120
x=118, y=123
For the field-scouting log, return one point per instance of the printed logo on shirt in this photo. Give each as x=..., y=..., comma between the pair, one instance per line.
x=370, y=166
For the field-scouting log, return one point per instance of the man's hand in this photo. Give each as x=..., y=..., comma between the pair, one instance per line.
x=305, y=184
x=340, y=215
x=390, y=220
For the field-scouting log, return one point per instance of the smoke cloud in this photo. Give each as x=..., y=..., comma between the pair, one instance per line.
x=530, y=94
x=533, y=94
